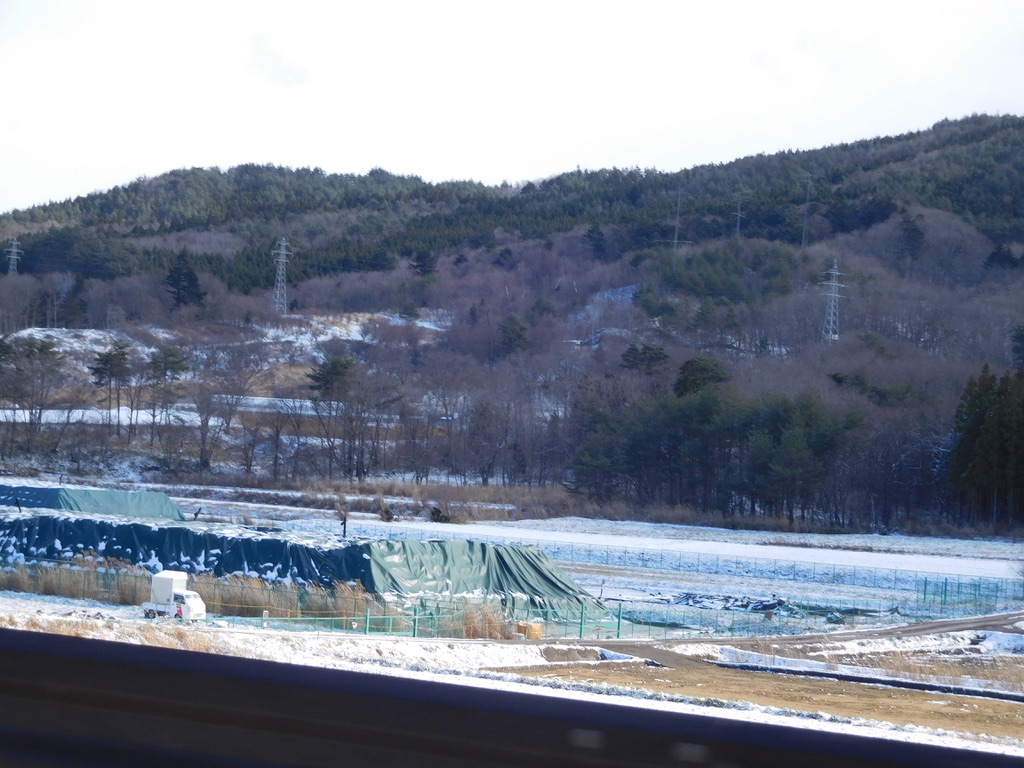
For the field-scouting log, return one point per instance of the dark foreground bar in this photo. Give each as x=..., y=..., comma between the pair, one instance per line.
x=71, y=701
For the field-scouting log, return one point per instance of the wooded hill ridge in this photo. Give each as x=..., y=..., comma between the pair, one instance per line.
x=970, y=168
x=639, y=335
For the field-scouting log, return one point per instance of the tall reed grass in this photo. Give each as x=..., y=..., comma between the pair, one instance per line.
x=121, y=583
x=346, y=604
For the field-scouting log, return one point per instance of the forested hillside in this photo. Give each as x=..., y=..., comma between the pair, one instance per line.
x=643, y=338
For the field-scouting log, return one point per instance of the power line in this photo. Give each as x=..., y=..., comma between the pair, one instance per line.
x=280, y=300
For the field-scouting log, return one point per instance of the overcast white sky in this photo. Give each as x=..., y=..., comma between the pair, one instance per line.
x=97, y=94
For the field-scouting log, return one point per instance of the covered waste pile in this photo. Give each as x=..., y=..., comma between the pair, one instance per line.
x=523, y=579
x=730, y=603
x=135, y=504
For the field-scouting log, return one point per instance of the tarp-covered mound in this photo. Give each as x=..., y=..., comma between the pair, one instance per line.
x=522, y=578
x=144, y=504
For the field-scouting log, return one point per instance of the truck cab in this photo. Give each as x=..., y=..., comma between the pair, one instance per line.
x=189, y=606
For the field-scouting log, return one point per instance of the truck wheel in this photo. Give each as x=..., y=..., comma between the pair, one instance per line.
x=150, y=614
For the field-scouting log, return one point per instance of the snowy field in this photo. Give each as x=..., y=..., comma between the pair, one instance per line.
x=466, y=662
x=652, y=573
x=641, y=566
x=608, y=558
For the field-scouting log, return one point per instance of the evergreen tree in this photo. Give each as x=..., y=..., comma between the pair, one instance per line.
x=331, y=379
x=1017, y=346
x=969, y=469
x=165, y=366
x=183, y=283
x=697, y=373
x=512, y=337
x=909, y=239
x=331, y=384
x=649, y=359
x=1002, y=257
x=110, y=369
x=596, y=240
x=423, y=263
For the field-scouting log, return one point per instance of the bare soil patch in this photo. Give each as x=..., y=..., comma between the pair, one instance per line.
x=703, y=680
x=684, y=675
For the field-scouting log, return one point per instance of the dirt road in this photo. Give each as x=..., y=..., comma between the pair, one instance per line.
x=691, y=676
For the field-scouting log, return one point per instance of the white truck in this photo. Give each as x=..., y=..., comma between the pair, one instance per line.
x=169, y=597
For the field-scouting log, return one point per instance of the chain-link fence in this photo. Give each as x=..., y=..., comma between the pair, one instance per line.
x=833, y=590
x=253, y=602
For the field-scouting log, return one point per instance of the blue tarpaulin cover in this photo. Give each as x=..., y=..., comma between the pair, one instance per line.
x=522, y=578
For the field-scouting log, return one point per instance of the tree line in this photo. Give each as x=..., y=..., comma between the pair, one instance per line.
x=689, y=440
x=634, y=336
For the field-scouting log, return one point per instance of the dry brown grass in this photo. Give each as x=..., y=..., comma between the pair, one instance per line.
x=163, y=635
x=251, y=596
x=954, y=666
x=766, y=648
x=485, y=622
x=49, y=581
x=120, y=583
x=961, y=669
x=109, y=581
x=344, y=600
x=16, y=579
x=124, y=584
x=245, y=596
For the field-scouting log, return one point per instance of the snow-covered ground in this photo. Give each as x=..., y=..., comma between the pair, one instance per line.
x=592, y=543
x=461, y=662
x=982, y=644
x=644, y=567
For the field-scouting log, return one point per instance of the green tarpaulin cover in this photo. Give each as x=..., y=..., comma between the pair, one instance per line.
x=144, y=504
x=522, y=578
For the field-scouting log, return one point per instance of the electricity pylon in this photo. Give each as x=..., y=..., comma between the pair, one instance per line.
x=280, y=300
x=830, y=328
x=13, y=257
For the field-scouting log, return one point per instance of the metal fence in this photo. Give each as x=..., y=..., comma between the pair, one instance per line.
x=287, y=606
x=915, y=593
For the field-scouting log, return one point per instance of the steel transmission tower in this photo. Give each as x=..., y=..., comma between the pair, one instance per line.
x=280, y=301
x=13, y=257
x=830, y=329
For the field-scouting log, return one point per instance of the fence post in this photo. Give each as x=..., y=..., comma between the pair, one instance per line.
x=416, y=621
x=583, y=618
x=618, y=624
x=366, y=626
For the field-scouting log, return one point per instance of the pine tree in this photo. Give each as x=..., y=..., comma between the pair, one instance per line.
x=970, y=469
x=183, y=283
x=110, y=369
x=649, y=359
x=697, y=373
